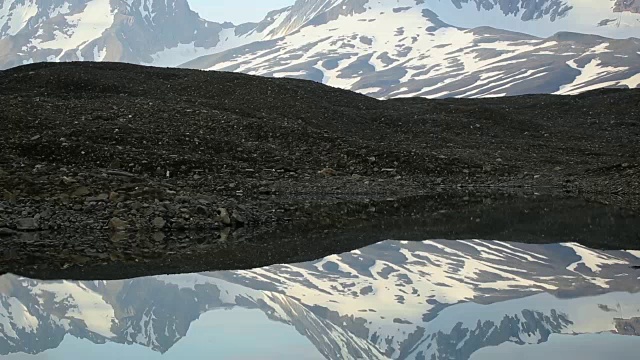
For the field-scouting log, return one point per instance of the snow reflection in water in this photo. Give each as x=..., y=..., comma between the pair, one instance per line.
x=392, y=300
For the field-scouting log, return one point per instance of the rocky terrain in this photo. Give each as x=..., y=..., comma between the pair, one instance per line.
x=109, y=164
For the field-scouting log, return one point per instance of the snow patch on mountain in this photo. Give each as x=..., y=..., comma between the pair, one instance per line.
x=389, y=52
x=592, y=259
x=16, y=15
x=83, y=304
x=14, y=315
x=85, y=26
x=589, y=75
x=20, y=315
x=170, y=57
x=635, y=253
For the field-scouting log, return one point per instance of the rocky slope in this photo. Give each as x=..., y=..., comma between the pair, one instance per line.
x=392, y=300
x=95, y=153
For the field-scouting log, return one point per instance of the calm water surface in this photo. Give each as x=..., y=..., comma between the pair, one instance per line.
x=392, y=300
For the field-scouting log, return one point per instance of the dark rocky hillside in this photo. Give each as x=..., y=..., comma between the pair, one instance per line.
x=114, y=162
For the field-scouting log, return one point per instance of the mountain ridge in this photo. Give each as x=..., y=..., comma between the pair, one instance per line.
x=426, y=57
x=395, y=48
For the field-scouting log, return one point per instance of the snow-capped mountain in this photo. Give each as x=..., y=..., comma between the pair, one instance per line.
x=151, y=32
x=383, y=48
x=161, y=33
x=402, y=48
x=392, y=300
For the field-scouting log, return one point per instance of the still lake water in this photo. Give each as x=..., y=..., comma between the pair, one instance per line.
x=392, y=300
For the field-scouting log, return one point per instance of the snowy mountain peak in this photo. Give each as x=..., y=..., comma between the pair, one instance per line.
x=319, y=12
x=382, y=48
x=137, y=31
x=616, y=18
x=401, y=48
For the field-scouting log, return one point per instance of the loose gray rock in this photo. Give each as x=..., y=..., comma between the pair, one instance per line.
x=10, y=196
x=136, y=205
x=115, y=197
x=81, y=191
x=6, y=232
x=237, y=218
x=202, y=210
x=27, y=224
x=223, y=216
x=101, y=197
x=158, y=223
x=224, y=234
x=179, y=224
x=158, y=236
x=327, y=172
x=46, y=214
x=117, y=224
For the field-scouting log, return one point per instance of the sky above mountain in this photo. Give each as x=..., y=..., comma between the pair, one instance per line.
x=237, y=11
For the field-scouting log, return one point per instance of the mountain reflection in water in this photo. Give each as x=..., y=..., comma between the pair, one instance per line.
x=392, y=300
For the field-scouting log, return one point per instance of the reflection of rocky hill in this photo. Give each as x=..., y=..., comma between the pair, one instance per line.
x=416, y=300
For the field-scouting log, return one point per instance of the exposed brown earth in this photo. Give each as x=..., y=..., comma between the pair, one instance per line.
x=114, y=168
